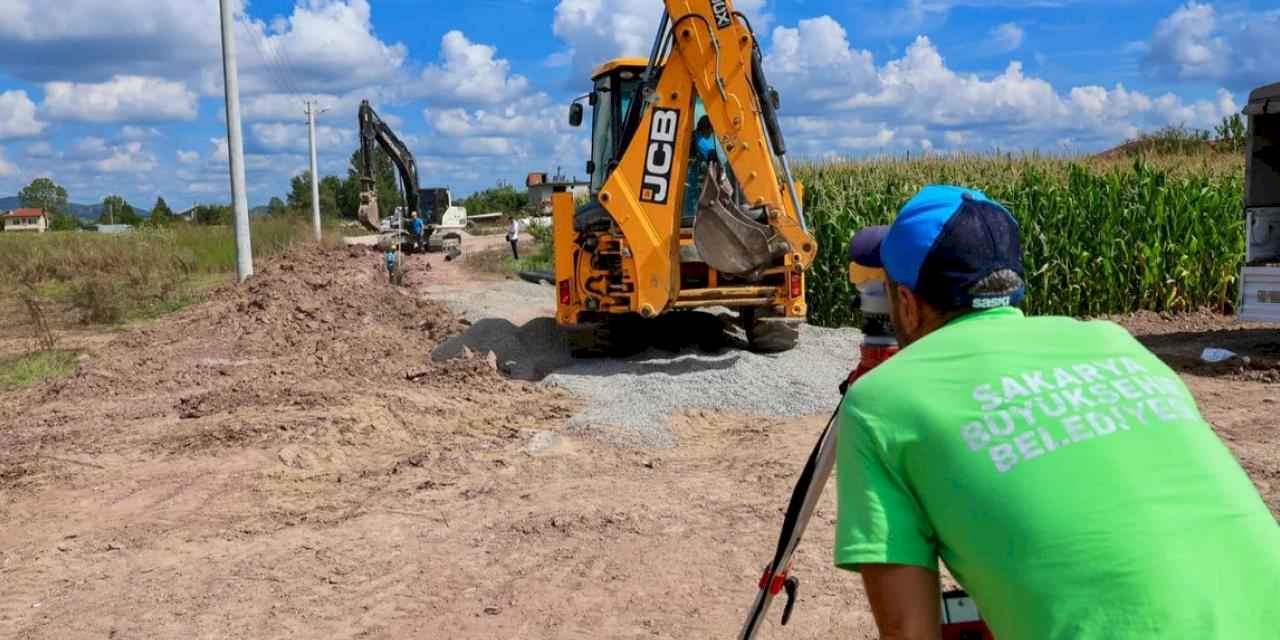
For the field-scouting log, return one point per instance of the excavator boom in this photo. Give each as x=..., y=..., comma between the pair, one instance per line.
x=374, y=131
x=705, y=49
x=693, y=203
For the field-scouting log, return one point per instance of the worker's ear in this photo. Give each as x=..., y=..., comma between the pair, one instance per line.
x=909, y=315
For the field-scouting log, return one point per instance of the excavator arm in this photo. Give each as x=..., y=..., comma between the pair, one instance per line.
x=705, y=49
x=374, y=131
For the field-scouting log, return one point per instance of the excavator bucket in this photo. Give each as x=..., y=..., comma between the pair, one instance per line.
x=368, y=213
x=728, y=238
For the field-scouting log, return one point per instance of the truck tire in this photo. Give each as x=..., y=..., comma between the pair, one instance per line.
x=769, y=334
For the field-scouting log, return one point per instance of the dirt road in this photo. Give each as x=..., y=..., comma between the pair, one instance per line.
x=285, y=461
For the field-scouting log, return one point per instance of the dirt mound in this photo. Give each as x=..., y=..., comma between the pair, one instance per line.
x=317, y=348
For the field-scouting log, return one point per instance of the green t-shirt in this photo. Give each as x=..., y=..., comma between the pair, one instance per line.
x=1067, y=479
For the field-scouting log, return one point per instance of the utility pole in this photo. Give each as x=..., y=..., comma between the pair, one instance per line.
x=315, y=178
x=235, y=145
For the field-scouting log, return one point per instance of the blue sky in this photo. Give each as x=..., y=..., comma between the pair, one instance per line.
x=124, y=96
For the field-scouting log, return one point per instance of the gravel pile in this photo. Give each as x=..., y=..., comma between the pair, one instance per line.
x=629, y=401
x=528, y=352
x=507, y=299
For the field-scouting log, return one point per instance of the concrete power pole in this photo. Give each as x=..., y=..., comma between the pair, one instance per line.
x=235, y=145
x=315, y=177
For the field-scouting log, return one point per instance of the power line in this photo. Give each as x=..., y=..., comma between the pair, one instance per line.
x=284, y=51
x=286, y=68
x=273, y=69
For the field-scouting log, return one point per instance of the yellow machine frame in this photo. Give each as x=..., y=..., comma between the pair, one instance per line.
x=711, y=60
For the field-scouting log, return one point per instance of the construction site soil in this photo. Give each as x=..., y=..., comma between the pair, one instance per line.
x=287, y=460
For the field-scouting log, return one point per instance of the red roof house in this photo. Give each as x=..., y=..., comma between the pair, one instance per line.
x=25, y=220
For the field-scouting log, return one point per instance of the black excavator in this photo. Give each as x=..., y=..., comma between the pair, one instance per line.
x=442, y=222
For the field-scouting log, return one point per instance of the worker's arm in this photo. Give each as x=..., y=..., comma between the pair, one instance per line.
x=904, y=600
x=881, y=529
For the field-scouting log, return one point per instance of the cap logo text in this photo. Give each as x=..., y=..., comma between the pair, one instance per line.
x=991, y=303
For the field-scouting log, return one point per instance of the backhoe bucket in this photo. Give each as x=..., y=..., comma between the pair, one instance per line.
x=368, y=213
x=727, y=237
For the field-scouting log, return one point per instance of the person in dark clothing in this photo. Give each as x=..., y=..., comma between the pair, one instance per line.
x=513, y=236
x=700, y=158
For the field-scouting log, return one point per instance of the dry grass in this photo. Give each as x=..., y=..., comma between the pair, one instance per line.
x=108, y=279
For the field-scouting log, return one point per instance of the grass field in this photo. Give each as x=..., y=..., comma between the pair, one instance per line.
x=105, y=279
x=1100, y=236
x=36, y=367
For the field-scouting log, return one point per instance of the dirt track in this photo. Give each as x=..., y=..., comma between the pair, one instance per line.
x=265, y=465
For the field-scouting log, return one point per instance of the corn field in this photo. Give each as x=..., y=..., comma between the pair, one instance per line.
x=1099, y=237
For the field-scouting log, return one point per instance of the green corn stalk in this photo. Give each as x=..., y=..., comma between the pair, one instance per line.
x=1098, y=237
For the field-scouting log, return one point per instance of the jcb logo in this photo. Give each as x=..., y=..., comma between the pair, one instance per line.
x=660, y=156
x=721, y=9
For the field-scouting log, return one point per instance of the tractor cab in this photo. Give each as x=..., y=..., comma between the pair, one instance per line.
x=435, y=202
x=1260, y=280
x=614, y=85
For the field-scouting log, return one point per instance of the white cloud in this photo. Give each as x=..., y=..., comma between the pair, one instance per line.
x=470, y=73
x=6, y=168
x=597, y=30
x=206, y=187
x=1186, y=42
x=1196, y=42
x=1007, y=37
x=95, y=154
x=916, y=101
x=530, y=128
x=188, y=157
x=127, y=158
x=322, y=46
x=89, y=146
x=219, y=150
x=131, y=132
x=41, y=149
x=278, y=137
x=122, y=99
x=97, y=39
x=18, y=115
x=917, y=15
x=812, y=64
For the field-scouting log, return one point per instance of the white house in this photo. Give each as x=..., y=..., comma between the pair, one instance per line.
x=33, y=220
x=541, y=187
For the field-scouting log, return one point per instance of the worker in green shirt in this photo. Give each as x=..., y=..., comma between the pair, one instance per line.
x=1061, y=471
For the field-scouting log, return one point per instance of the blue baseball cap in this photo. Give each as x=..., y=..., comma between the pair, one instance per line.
x=944, y=241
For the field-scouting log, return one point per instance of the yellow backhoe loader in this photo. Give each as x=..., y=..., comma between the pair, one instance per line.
x=692, y=203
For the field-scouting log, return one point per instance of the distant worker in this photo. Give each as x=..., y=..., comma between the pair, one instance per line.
x=416, y=230
x=1061, y=470
x=513, y=236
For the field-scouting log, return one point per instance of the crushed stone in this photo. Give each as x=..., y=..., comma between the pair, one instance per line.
x=628, y=401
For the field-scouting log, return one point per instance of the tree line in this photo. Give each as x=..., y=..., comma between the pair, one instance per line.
x=339, y=199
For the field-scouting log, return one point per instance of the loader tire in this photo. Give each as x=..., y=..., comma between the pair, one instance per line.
x=606, y=337
x=590, y=341
x=769, y=335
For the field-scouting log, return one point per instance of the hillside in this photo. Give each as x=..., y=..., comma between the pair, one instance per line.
x=83, y=211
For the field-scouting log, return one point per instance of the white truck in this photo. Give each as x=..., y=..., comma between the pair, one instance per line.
x=1260, y=278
